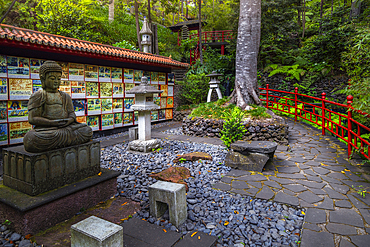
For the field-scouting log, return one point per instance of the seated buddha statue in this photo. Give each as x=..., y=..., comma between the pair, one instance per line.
x=51, y=113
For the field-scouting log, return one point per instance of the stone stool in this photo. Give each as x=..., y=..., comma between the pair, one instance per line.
x=172, y=194
x=250, y=156
x=96, y=232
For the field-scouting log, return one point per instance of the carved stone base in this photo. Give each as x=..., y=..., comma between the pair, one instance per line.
x=144, y=146
x=35, y=173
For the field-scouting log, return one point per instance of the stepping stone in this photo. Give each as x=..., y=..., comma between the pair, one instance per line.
x=341, y=229
x=198, y=239
x=222, y=186
x=335, y=168
x=320, y=170
x=340, y=188
x=284, y=198
x=357, y=203
x=309, y=172
x=237, y=173
x=281, y=180
x=366, y=214
x=314, y=178
x=226, y=180
x=293, y=176
x=288, y=169
x=252, y=191
x=297, y=159
x=242, y=192
x=317, y=191
x=343, y=204
x=326, y=204
x=354, y=177
x=285, y=163
x=288, y=192
x=236, y=184
x=316, y=239
x=346, y=243
x=312, y=184
x=346, y=216
x=365, y=200
x=316, y=216
x=361, y=240
x=337, y=175
x=312, y=227
x=266, y=193
x=193, y=157
x=272, y=184
x=303, y=167
x=256, y=184
x=149, y=234
x=334, y=195
x=295, y=187
x=309, y=197
x=304, y=204
x=331, y=180
x=256, y=177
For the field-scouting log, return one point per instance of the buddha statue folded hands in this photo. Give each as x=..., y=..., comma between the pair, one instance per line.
x=52, y=114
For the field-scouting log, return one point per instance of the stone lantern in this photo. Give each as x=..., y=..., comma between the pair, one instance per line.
x=144, y=104
x=146, y=37
x=214, y=84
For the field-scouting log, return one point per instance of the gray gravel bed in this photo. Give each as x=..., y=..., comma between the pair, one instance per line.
x=174, y=131
x=236, y=220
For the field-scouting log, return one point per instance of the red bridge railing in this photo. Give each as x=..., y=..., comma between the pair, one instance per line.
x=330, y=116
x=215, y=36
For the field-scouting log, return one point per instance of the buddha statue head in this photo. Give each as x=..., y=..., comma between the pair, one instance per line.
x=50, y=75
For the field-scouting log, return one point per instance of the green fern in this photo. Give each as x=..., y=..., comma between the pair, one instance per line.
x=292, y=71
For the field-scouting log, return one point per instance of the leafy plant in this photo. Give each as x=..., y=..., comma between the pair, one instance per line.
x=182, y=160
x=360, y=190
x=7, y=222
x=292, y=71
x=194, y=89
x=233, y=128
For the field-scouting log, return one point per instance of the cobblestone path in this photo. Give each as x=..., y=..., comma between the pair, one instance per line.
x=313, y=172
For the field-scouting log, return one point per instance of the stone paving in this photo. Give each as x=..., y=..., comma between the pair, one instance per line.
x=313, y=172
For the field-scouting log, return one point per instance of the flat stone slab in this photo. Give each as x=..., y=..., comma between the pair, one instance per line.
x=266, y=193
x=248, y=162
x=343, y=204
x=346, y=216
x=341, y=229
x=284, y=198
x=309, y=197
x=193, y=157
x=138, y=231
x=263, y=147
x=295, y=187
x=361, y=240
x=317, y=239
x=326, y=204
x=345, y=243
x=314, y=215
x=198, y=239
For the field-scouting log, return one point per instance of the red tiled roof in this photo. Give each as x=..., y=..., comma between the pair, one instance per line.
x=47, y=39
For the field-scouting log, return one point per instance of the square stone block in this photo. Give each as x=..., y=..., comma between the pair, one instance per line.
x=133, y=133
x=35, y=173
x=96, y=232
x=172, y=194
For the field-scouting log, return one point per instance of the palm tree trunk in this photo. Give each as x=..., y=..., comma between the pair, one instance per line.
x=303, y=18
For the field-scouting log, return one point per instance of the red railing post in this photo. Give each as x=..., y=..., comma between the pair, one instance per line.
x=349, y=102
x=267, y=96
x=223, y=36
x=323, y=95
x=295, y=104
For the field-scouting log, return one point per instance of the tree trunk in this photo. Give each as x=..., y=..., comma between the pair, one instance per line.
x=200, y=32
x=321, y=7
x=299, y=13
x=137, y=25
x=111, y=11
x=187, y=9
x=149, y=16
x=304, y=18
x=248, y=41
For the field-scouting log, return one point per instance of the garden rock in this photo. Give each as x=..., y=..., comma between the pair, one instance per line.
x=174, y=175
x=250, y=156
x=193, y=157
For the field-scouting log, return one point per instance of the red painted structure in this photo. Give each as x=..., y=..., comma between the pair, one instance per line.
x=211, y=38
x=341, y=125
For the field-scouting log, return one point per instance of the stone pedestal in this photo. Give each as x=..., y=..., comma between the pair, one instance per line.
x=144, y=146
x=31, y=214
x=172, y=194
x=250, y=156
x=96, y=232
x=35, y=173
